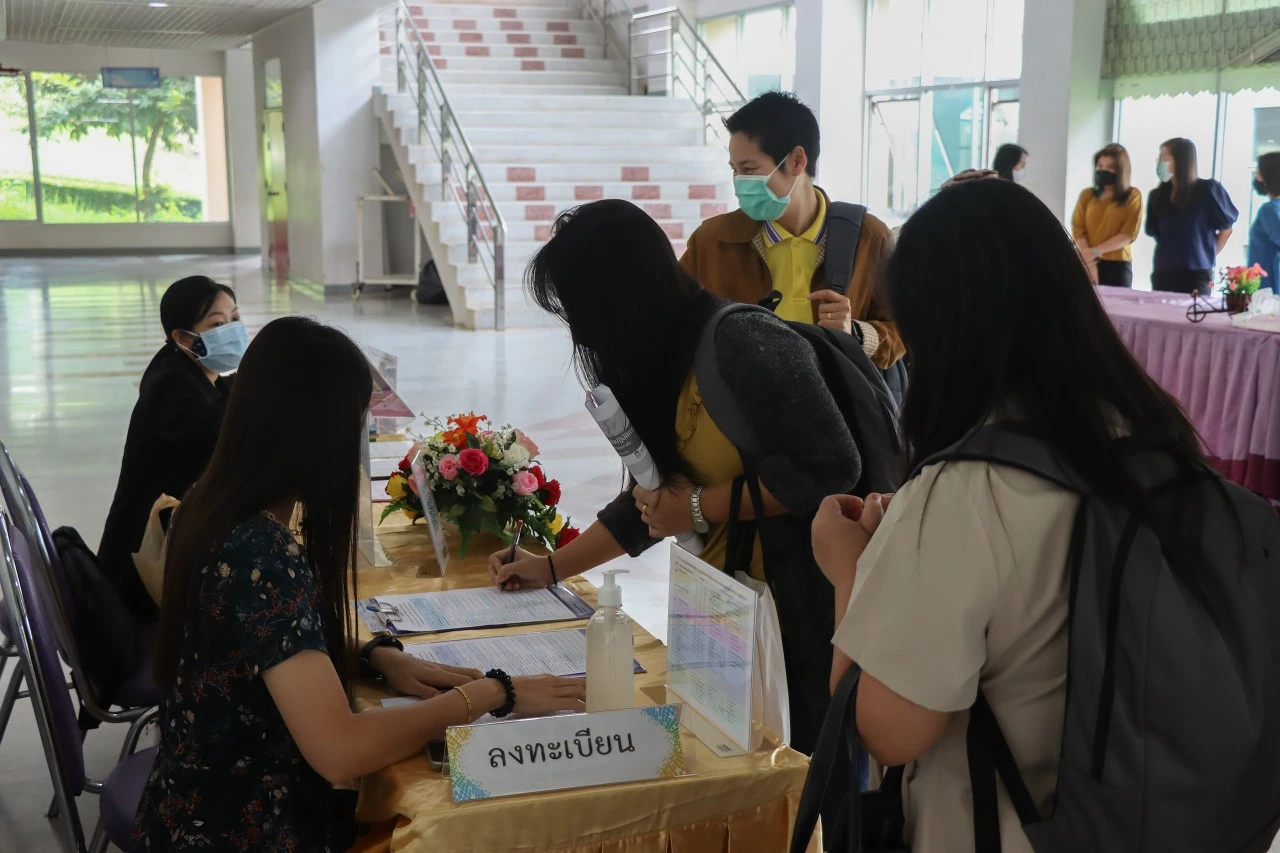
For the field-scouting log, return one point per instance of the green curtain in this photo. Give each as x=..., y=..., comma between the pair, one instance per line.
x=1182, y=40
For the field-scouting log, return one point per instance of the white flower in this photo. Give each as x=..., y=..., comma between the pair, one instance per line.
x=516, y=456
x=462, y=490
x=224, y=570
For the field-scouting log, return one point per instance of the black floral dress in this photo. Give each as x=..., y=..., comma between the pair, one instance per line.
x=229, y=775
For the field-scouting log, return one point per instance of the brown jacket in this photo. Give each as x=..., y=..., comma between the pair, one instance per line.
x=720, y=255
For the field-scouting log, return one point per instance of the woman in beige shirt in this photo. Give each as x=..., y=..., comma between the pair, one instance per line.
x=963, y=585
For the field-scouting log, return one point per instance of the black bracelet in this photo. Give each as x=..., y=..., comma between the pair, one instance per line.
x=552, y=565
x=366, y=653
x=505, y=680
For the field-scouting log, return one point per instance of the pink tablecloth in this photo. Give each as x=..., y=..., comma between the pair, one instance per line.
x=1227, y=379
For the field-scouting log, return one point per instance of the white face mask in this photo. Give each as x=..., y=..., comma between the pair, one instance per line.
x=1020, y=176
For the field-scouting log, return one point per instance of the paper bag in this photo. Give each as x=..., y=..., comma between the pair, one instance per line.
x=770, y=700
x=149, y=559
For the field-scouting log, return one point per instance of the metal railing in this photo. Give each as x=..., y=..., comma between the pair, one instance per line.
x=460, y=177
x=664, y=54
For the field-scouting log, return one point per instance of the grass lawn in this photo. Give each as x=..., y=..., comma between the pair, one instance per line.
x=15, y=204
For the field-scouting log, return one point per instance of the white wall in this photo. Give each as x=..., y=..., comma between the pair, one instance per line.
x=242, y=151
x=331, y=139
x=123, y=237
x=829, y=78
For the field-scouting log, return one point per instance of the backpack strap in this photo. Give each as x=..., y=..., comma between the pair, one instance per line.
x=716, y=396
x=829, y=753
x=844, y=229
x=1010, y=444
x=989, y=754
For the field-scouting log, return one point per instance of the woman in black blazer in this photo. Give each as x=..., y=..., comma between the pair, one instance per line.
x=175, y=422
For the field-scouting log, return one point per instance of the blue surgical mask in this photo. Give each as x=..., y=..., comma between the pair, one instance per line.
x=757, y=200
x=220, y=349
x=1163, y=172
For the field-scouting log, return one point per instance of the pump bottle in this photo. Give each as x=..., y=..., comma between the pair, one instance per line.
x=610, y=651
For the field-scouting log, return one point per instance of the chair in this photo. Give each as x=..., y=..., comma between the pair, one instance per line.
x=139, y=692
x=32, y=615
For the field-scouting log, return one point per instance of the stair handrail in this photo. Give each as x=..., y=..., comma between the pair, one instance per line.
x=417, y=75
x=691, y=69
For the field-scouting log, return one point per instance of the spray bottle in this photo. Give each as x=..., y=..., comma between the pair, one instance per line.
x=610, y=651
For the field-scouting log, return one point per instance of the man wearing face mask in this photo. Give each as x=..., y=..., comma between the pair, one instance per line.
x=774, y=250
x=175, y=422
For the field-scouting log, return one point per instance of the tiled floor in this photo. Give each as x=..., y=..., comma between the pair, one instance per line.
x=75, y=335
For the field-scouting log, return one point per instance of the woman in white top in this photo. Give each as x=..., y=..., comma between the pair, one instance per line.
x=964, y=583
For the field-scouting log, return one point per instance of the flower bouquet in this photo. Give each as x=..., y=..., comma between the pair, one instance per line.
x=482, y=479
x=1238, y=286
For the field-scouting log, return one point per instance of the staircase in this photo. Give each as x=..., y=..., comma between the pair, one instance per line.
x=551, y=125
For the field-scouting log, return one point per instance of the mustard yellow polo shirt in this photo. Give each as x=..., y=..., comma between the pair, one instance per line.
x=792, y=262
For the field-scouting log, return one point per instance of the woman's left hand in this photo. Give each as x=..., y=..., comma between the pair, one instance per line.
x=841, y=531
x=668, y=511
x=414, y=677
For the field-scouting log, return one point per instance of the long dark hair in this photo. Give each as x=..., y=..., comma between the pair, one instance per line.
x=634, y=314
x=1007, y=158
x=1178, y=190
x=187, y=301
x=1123, y=187
x=296, y=371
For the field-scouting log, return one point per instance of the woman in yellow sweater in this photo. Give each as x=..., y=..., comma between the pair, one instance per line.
x=1107, y=219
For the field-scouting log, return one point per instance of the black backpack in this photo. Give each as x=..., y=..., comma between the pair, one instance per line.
x=804, y=598
x=430, y=290
x=844, y=228
x=104, y=630
x=1171, y=740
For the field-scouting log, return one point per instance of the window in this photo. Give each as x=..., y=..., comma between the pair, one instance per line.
x=111, y=155
x=945, y=73
x=757, y=49
x=1251, y=128
x=17, y=177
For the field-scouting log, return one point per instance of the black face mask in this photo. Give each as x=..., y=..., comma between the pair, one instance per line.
x=1259, y=187
x=1103, y=179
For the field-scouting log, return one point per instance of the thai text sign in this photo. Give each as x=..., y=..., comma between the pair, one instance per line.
x=567, y=751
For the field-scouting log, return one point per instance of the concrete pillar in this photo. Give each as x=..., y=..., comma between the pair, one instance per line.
x=211, y=115
x=830, y=40
x=1066, y=116
x=242, y=150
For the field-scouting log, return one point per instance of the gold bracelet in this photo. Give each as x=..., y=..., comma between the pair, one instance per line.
x=467, y=699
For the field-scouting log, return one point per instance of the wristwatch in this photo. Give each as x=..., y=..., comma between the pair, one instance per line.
x=366, y=653
x=695, y=503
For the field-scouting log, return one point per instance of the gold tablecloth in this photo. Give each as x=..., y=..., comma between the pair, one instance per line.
x=743, y=804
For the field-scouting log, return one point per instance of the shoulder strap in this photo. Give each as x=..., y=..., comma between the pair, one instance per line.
x=822, y=766
x=720, y=402
x=989, y=754
x=1011, y=445
x=844, y=228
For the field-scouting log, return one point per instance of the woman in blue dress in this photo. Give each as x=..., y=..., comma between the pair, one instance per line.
x=1264, y=236
x=1191, y=220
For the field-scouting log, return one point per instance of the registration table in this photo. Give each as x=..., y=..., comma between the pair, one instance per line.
x=1227, y=379
x=744, y=804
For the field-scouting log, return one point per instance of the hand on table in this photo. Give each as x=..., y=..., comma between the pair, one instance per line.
x=841, y=530
x=546, y=694
x=526, y=571
x=834, y=310
x=413, y=677
x=668, y=510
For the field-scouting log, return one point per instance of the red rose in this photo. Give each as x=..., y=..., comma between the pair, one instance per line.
x=406, y=464
x=542, y=478
x=566, y=536
x=550, y=492
x=474, y=461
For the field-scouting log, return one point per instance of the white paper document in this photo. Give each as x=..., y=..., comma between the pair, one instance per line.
x=462, y=609
x=711, y=644
x=389, y=449
x=551, y=652
x=382, y=469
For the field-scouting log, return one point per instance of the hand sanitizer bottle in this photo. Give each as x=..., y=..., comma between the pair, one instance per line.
x=610, y=651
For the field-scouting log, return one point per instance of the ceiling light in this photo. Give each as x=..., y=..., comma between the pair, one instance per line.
x=158, y=4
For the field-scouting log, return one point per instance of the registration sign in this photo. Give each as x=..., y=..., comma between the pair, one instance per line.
x=566, y=751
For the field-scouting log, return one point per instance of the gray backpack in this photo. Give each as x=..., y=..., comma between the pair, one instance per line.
x=1171, y=740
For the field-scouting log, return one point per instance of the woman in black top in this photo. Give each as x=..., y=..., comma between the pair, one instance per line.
x=175, y=422
x=638, y=335
x=1010, y=162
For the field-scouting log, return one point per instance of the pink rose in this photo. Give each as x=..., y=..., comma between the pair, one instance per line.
x=449, y=467
x=527, y=442
x=474, y=461
x=523, y=483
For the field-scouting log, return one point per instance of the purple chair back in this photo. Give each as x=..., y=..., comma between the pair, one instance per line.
x=59, y=573
x=35, y=612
